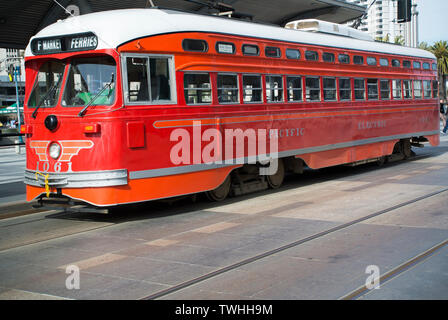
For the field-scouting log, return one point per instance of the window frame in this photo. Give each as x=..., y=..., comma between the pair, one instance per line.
x=335, y=89
x=350, y=89
x=172, y=80
x=291, y=49
x=277, y=49
x=320, y=89
x=282, y=95
x=411, y=89
x=211, y=88
x=200, y=40
x=261, y=88
x=294, y=89
x=312, y=51
x=344, y=55
x=328, y=54
x=377, y=89
x=364, y=89
x=237, y=87
x=225, y=43
x=381, y=89
x=249, y=54
x=425, y=90
x=394, y=90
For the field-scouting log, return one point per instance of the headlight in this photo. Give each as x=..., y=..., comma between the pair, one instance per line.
x=54, y=150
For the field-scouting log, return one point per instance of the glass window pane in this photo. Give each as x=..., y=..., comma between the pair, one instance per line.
x=160, y=79
x=272, y=52
x=360, y=91
x=197, y=88
x=252, y=88
x=418, y=89
x=345, y=90
x=48, y=84
x=385, y=89
x=227, y=88
x=274, y=88
x=384, y=62
x=371, y=61
x=292, y=54
x=195, y=45
x=329, y=89
x=344, y=58
x=89, y=78
x=396, y=89
x=312, y=89
x=406, y=64
x=328, y=57
x=395, y=63
x=372, y=89
x=250, y=50
x=407, y=94
x=311, y=55
x=358, y=60
x=427, y=89
x=294, y=88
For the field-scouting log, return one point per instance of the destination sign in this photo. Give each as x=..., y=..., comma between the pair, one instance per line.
x=68, y=43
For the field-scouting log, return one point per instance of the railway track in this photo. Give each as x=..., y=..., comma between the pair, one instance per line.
x=355, y=294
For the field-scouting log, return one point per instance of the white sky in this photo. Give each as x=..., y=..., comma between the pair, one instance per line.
x=432, y=20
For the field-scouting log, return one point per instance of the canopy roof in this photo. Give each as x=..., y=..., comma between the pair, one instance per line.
x=21, y=19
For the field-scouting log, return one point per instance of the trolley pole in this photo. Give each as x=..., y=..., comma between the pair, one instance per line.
x=16, y=80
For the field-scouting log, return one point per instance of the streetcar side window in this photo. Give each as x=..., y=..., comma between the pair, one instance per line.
x=434, y=66
x=274, y=88
x=311, y=55
x=426, y=66
x=435, y=89
x=427, y=89
x=272, y=52
x=396, y=63
x=417, y=89
x=329, y=89
x=385, y=89
x=406, y=64
x=372, y=89
x=407, y=94
x=294, y=89
x=344, y=58
x=149, y=80
x=137, y=79
x=292, y=54
x=252, y=89
x=328, y=57
x=345, y=90
x=195, y=45
x=358, y=60
x=417, y=65
x=312, y=85
x=360, y=89
x=396, y=89
x=250, y=50
x=197, y=88
x=371, y=61
x=384, y=62
x=228, y=88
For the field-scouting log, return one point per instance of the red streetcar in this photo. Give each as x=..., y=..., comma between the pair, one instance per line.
x=134, y=105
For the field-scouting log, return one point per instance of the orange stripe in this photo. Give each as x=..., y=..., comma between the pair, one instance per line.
x=37, y=144
x=230, y=120
x=71, y=150
x=76, y=144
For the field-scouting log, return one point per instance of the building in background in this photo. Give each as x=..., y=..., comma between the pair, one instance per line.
x=8, y=108
x=381, y=22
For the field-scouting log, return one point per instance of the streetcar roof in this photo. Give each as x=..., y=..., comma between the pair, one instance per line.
x=116, y=27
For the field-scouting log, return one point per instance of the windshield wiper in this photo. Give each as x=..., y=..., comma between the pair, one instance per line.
x=54, y=86
x=107, y=85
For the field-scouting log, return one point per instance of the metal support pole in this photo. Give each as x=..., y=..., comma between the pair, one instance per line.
x=16, y=80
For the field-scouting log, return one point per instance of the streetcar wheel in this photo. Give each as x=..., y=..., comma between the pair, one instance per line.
x=381, y=161
x=276, y=180
x=221, y=192
x=407, y=152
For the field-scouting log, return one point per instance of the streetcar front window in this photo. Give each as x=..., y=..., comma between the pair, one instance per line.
x=48, y=85
x=90, y=80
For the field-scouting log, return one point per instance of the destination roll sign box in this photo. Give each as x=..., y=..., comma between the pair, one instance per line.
x=67, y=43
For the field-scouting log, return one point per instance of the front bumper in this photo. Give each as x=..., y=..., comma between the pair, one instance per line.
x=84, y=179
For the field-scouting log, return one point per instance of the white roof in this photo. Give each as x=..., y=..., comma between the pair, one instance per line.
x=116, y=27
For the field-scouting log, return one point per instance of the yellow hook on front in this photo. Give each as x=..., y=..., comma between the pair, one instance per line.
x=47, y=186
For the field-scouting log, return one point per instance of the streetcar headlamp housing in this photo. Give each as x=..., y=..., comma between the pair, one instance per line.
x=54, y=150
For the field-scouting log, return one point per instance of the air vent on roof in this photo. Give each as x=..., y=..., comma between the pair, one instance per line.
x=313, y=25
